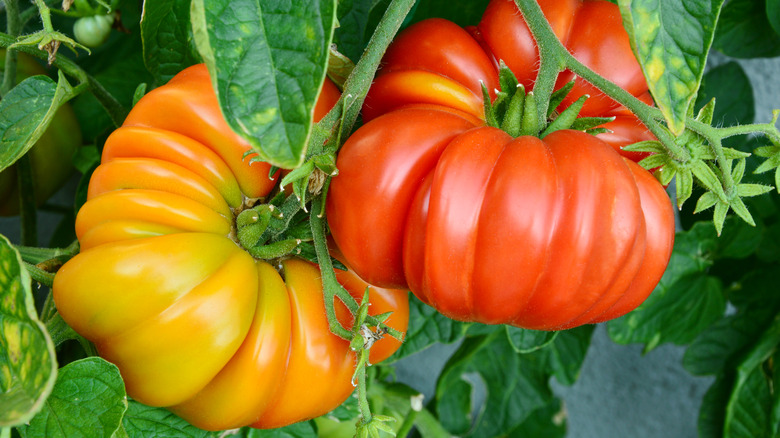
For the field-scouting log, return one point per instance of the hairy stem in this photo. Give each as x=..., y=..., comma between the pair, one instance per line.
x=356, y=87
x=330, y=286
x=365, y=409
x=14, y=28
x=554, y=55
x=45, y=13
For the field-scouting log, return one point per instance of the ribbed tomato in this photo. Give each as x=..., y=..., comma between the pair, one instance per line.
x=544, y=233
x=194, y=322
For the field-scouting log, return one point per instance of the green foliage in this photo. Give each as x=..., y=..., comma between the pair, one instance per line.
x=28, y=366
x=671, y=40
x=88, y=400
x=267, y=61
x=25, y=113
x=426, y=327
x=165, y=29
x=744, y=30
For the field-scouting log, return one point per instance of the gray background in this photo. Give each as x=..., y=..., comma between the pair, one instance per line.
x=620, y=392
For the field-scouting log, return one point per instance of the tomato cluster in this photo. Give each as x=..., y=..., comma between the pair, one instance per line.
x=194, y=322
x=544, y=233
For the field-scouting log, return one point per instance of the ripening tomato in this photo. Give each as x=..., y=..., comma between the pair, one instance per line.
x=50, y=157
x=193, y=322
x=542, y=234
x=545, y=233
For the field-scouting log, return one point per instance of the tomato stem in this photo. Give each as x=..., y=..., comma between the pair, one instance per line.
x=27, y=211
x=345, y=112
x=14, y=28
x=555, y=58
x=330, y=285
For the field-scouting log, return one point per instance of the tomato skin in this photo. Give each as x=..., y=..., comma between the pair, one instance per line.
x=50, y=157
x=193, y=322
x=435, y=62
x=542, y=234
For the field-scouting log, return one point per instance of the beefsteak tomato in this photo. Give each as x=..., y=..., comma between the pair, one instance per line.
x=545, y=233
x=194, y=322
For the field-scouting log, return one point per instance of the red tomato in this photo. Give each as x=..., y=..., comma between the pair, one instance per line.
x=543, y=234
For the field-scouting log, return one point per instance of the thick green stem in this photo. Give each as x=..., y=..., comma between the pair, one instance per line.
x=115, y=110
x=32, y=254
x=365, y=409
x=14, y=28
x=330, y=285
x=27, y=205
x=39, y=275
x=356, y=87
x=550, y=55
x=45, y=13
x=408, y=423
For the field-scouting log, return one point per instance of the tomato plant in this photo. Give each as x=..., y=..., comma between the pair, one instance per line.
x=248, y=164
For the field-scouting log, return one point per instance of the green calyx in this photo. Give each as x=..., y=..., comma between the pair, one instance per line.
x=515, y=112
x=273, y=230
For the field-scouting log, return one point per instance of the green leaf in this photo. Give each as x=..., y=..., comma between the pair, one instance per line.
x=730, y=86
x=654, y=146
x=515, y=386
x=526, y=341
x=426, y=327
x=547, y=422
x=28, y=367
x=684, y=302
x=713, y=408
x=88, y=400
x=145, y=421
x=671, y=40
x=25, y=113
x=739, y=239
x=720, y=343
x=167, y=39
x=564, y=357
x=773, y=14
x=267, y=62
x=744, y=31
x=747, y=411
x=748, y=190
